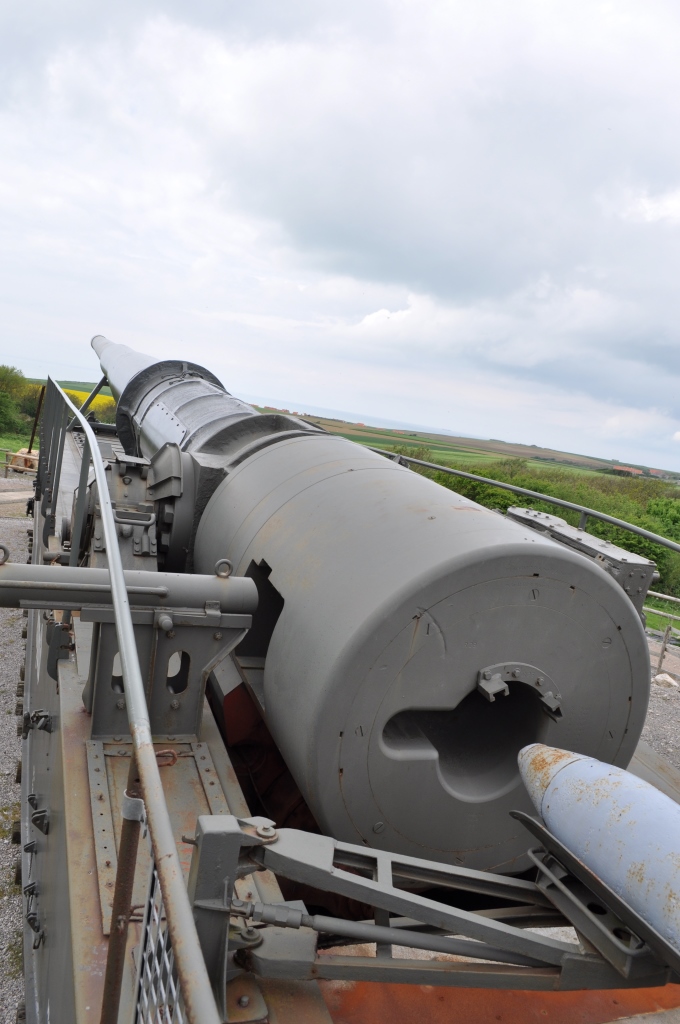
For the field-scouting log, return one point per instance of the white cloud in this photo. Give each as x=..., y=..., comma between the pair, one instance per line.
x=643, y=207
x=441, y=213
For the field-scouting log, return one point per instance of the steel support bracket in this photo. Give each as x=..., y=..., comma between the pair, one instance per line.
x=495, y=679
x=216, y=863
x=39, y=719
x=640, y=951
x=41, y=820
x=133, y=809
x=60, y=645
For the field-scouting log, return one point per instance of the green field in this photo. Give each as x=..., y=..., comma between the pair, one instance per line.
x=74, y=385
x=460, y=450
x=13, y=442
x=659, y=622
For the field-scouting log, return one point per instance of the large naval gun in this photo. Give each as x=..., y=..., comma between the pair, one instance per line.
x=275, y=689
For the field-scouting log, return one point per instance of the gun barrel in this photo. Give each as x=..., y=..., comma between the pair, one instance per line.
x=170, y=400
x=404, y=640
x=119, y=363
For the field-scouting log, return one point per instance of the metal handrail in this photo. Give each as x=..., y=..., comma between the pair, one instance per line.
x=195, y=982
x=664, y=615
x=586, y=513
x=663, y=597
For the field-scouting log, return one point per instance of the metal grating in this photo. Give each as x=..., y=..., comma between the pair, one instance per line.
x=159, y=995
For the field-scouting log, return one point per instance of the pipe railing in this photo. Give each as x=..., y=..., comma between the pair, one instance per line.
x=191, y=969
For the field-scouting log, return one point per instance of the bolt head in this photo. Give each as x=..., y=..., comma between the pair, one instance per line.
x=379, y=827
x=217, y=635
x=487, y=675
x=120, y=704
x=266, y=831
x=174, y=704
x=243, y=1000
x=170, y=634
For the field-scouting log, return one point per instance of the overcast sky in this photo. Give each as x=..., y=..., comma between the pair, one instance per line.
x=460, y=215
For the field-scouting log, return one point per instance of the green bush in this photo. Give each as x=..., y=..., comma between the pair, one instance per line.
x=18, y=403
x=28, y=403
x=10, y=421
x=12, y=382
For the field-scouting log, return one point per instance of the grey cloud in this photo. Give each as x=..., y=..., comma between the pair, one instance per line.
x=230, y=156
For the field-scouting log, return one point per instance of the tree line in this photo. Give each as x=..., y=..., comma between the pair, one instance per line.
x=19, y=400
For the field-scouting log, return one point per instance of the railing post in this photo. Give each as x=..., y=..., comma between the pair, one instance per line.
x=583, y=521
x=36, y=419
x=54, y=474
x=81, y=504
x=664, y=645
x=88, y=401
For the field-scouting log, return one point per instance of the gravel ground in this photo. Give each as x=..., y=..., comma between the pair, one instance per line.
x=15, y=482
x=662, y=732
x=662, y=726
x=13, y=534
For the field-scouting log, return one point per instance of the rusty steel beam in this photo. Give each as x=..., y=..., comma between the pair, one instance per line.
x=122, y=901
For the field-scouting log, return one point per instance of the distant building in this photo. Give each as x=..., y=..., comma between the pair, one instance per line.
x=627, y=470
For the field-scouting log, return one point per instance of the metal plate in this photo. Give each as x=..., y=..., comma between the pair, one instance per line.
x=192, y=787
x=208, y=776
x=102, y=826
x=160, y=421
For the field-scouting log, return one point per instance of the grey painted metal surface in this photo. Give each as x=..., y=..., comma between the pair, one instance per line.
x=412, y=606
x=48, y=963
x=624, y=830
x=190, y=964
x=382, y=598
x=228, y=847
x=634, y=573
x=20, y=585
x=396, y=594
x=181, y=403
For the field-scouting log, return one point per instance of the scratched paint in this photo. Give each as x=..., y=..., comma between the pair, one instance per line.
x=623, y=829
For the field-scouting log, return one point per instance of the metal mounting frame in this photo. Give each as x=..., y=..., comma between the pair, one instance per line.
x=227, y=848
